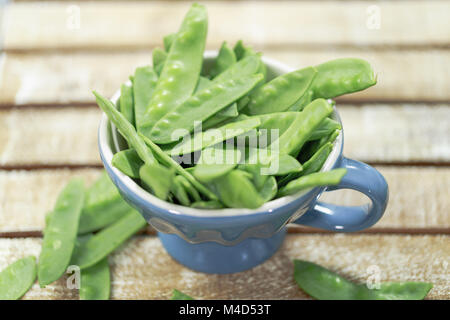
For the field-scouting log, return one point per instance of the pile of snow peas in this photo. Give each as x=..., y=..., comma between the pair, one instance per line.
x=226, y=135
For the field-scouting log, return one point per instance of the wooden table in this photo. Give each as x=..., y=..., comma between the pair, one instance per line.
x=51, y=59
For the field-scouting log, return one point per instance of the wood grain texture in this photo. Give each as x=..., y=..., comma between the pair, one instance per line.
x=410, y=75
x=54, y=24
x=381, y=132
x=418, y=197
x=143, y=270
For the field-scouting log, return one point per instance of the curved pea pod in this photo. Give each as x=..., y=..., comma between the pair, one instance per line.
x=327, y=127
x=236, y=190
x=215, y=162
x=318, y=179
x=224, y=60
x=144, y=83
x=168, y=40
x=284, y=164
x=179, y=192
x=181, y=70
x=269, y=189
x=17, y=278
x=107, y=240
x=126, y=102
x=157, y=178
x=244, y=68
x=280, y=93
x=342, y=76
x=128, y=162
x=212, y=204
x=103, y=205
x=159, y=57
x=200, y=107
x=301, y=103
x=61, y=232
x=95, y=282
x=293, y=139
x=225, y=114
x=278, y=121
x=214, y=136
x=126, y=128
x=178, y=295
x=311, y=147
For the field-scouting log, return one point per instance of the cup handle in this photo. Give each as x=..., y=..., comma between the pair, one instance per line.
x=360, y=177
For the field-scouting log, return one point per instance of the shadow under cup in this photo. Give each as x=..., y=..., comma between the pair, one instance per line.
x=232, y=240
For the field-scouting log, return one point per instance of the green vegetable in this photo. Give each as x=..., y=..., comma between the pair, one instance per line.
x=157, y=178
x=224, y=60
x=178, y=295
x=128, y=162
x=17, y=278
x=144, y=84
x=95, y=282
x=323, y=284
x=127, y=102
x=159, y=57
x=216, y=162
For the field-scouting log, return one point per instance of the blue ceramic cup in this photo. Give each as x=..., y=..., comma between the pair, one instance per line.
x=233, y=240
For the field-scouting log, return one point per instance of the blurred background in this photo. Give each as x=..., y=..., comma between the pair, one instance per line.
x=54, y=53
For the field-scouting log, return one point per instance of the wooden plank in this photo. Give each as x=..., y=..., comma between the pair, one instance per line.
x=55, y=24
x=418, y=197
x=410, y=75
x=374, y=133
x=143, y=270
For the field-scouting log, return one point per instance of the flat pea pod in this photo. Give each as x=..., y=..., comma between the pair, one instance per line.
x=293, y=139
x=178, y=295
x=311, y=147
x=284, y=164
x=95, y=282
x=324, y=284
x=107, y=240
x=128, y=162
x=178, y=168
x=126, y=128
x=144, y=83
x=306, y=99
x=269, y=189
x=200, y=107
x=216, y=162
x=280, y=93
x=317, y=179
x=157, y=178
x=168, y=40
x=17, y=278
x=324, y=129
x=236, y=190
x=202, y=83
x=103, y=205
x=189, y=188
x=224, y=60
x=239, y=49
x=159, y=57
x=229, y=112
x=214, y=136
x=126, y=102
x=342, y=76
x=179, y=192
x=244, y=68
x=212, y=204
x=61, y=232
x=181, y=70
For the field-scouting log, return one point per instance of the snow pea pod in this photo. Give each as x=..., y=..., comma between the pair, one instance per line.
x=215, y=162
x=224, y=60
x=244, y=68
x=181, y=70
x=144, y=83
x=342, y=76
x=201, y=106
x=126, y=128
x=61, y=232
x=202, y=83
x=128, y=162
x=157, y=178
x=178, y=168
x=17, y=278
x=179, y=192
x=280, y=93
x=327, y=127
x=239, y=50
x=178, y=295
x=269, y=189
x=285, y=164
x=301, y=103
x=190, y=190
x=168, y=40
x=318, y=179
x=107, y=240
x=292, y=140
x=103, y=205
x=323, y=284
x=159, y=56
x=127, y=102
x=95, y=282
x=211, y=137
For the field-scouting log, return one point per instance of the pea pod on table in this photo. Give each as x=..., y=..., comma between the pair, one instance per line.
x=17, y=278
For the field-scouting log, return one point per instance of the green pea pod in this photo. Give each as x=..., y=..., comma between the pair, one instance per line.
x=159, y=58
x=237, y=191
x=180, y=192
x=214, y=136
x=200, y=107
x=280, y=93
x=103, y=205
x=318, y=179
x=127, y=102
x=95, y=282
x=293, y=139
x=269, y=189
x=178, y=295
x=212, y=204
x=128, y=162
x=178, y=168
x=284, y=164
x=107, y=240
x=144, y=84
x=157, y=178
x=239, y=50
x=224, y=60
x=323, y=284
x=342, y=76
x=301, y=103
x=225, y=114
x=245, y=51
x=189, y=188
x=215, y=162
x=202, y=83
x=244, y=68
x=168, y=40
x=17, y=278
x=311, y=147
x=181, y=70
x=61, y=232
x=327, y=127
x=134, y=140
